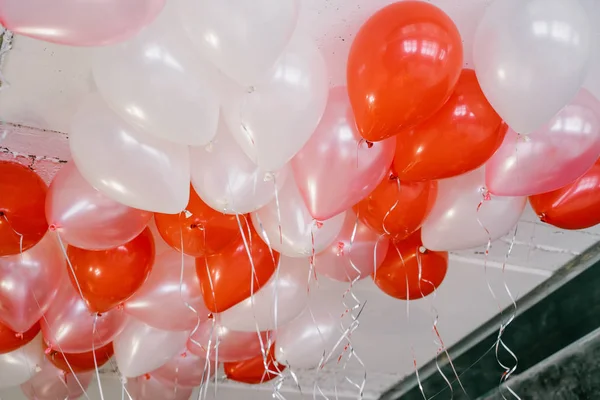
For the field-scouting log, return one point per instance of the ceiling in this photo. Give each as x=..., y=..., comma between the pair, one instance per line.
x=47, y=82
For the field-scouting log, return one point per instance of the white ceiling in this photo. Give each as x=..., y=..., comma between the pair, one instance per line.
x=48, y=81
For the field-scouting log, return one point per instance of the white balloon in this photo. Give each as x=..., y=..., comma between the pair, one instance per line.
x=158, y=82
x=242, y=38
x=531, y=58
x=127, y=165
x=20, y=365
x=274, y=119
x=455, y=223
x=286, y=293
x=298, y=228
x=227, y=180
x=140, y=348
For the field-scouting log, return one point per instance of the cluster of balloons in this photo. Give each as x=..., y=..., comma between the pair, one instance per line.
x=214, y=169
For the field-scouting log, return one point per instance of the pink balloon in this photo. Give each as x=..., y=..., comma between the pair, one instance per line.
x=79, y=22
x=348, y=258
x=160, y=302
x=51, y=383
x=86, y=218
x=148, y=388
x=29, y=282
x=551, y=157
x=233, y=345
x=68, y=324
x=185, y=369
x=337, y=168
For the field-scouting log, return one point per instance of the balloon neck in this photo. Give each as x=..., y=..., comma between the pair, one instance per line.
x=52, y=227
x=542, y=217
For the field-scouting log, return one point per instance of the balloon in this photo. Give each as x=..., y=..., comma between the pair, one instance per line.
x=22, y=219
x=78, y=23
x=68, y=325
x=466, y=216
x=140, y=348
x=149, y=388
x=575, y=206
x=155, y=81
x=354, y=254
x=86, y=218
x=227, y=180
x=161, y=301
x=29, y=283
x=460, y=137
x=402, y=67
x=274, y=119
x=81, y=362
x=51, y=383
x=287, y=226
x=107, y=278
x=226, y=278
x=397, y=209
x=184, y=370
x=160, y=245
x=125, y=163
x=533, y=66
x=205, y=231
x=11, y=340
x=410, y=271
x=242, y=39
x=20, y=365
x=253, y=371
x=286, y=293
x=337, y=168
x=232, y=346
x=550, y=157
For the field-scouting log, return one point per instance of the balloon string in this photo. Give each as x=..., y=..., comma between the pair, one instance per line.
x=278, y=209
x=387, y=214
x=94, y=355
x=3, y=215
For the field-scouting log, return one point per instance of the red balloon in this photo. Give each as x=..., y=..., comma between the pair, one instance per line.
x=109, y=277
x=459, y=138
x=205, y=231
x=11, y=340
x=253, y=371
x=398, y=275
x=575, y=206
x=22, y=208
x=81, y=362
x=226, y=277
x=397, y=209
x=402, y=67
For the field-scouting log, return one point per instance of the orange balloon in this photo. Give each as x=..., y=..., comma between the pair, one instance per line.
x=81, y=362
x=253, y=371
x=11, y=340
x=459, y=138
x=22, y=208
x=205, y=231
x=398, y=275
x=397, y=209
x=403, y=65
x=226, y=278
x=109, y=277
x=575, y=206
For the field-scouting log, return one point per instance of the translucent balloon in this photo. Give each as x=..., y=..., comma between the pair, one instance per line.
x=275, y=118
x=531, y=57
x=29, y=283
x=140, y=348
x=126, y=164
x=86, y=218
x=466, y=216
x=156, y=81
x=184, y=370
x=227, y=180
x=149, y=388
x=286, y=293
x=20, y=365
x=78, y=23
x=241, y=38
x=300, y=234
x=51, y=383
x=161, y=301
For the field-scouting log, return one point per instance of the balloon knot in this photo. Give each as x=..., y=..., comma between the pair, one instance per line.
x=319, y=224
x=120, y=307
x=147, y=377
x=19, y=335
x=542, y=217
x=369, y=144
x=211, y=316
x=1, y=213
x=340, y=247
x=393, y=176
x=422, y=249
x=52, y=228
x=184, y=354
x=48, y=350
